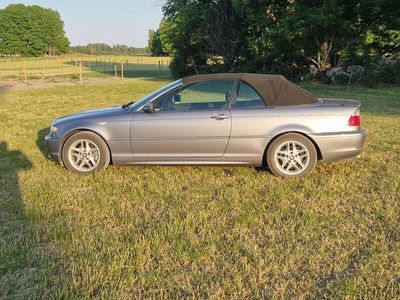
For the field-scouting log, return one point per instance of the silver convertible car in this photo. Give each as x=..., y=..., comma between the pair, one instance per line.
x=217, y=119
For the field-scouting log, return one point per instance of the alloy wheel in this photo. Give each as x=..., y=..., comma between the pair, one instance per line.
x=84, y=155
x=291, y=157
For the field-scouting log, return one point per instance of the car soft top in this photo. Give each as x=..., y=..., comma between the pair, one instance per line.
x=275, y=90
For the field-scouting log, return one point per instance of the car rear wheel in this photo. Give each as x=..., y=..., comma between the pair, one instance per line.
x=291, y=155
x=85, y=152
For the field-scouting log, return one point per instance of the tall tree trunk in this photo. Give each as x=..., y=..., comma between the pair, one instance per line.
x=222, y=32
x=322, y=61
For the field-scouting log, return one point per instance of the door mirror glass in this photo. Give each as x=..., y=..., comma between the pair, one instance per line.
x=148, y=108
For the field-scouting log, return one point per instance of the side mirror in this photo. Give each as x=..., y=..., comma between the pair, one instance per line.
x=149, y=108
x=177, y=99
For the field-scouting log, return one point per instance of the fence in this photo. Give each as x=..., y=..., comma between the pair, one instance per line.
x=79, y=67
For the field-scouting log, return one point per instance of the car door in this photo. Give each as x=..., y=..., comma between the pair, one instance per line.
x=250, y=124
x=190, y=123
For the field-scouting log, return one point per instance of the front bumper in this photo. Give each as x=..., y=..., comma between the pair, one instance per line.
x=343, y=145
x=53, y=148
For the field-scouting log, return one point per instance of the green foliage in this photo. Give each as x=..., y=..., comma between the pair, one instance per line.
x=155, y=44
x=279, y=36
x=386, y=74
x=166, y=27
x=383, y=41
x=159, y=40
x=104, y=49
x=31, y=31
x=188, y=36
x=344, y=79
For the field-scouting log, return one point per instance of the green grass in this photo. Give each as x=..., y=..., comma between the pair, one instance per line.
x=67, y=66
x=203, y=232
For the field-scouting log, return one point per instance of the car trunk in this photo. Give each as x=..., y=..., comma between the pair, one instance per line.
x=340, y=102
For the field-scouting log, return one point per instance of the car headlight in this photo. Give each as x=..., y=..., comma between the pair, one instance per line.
x=53, y=130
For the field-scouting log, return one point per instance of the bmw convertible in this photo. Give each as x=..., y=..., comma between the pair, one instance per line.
x=216, y=119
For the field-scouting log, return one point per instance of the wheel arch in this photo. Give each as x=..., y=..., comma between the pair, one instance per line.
x=76, y=130
x=319, y=154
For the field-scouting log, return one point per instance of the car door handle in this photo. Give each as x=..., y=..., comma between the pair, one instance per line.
x=220, y=117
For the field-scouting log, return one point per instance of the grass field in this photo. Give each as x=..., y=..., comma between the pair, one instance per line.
x=92, y=66
x=202, y=232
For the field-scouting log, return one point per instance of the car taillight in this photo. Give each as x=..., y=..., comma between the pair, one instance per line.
x=355, y=119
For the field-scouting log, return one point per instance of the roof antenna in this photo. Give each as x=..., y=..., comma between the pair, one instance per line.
x=348, y=85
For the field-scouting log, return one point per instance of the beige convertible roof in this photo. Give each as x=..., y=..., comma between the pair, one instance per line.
x=275, y=90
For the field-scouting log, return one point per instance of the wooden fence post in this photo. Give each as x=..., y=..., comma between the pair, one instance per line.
x=24, y=72
x=80, y=73
x=115, y=71
x=122, y=69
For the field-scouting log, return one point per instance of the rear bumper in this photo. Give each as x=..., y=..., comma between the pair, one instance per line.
x=53, y=146
x=343, y=145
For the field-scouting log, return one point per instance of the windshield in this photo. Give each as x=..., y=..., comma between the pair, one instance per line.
x=137, y=104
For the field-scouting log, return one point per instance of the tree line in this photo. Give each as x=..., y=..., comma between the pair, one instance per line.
x=36, y=31
x=275, y=36
x=104, y=49
x=31, y=31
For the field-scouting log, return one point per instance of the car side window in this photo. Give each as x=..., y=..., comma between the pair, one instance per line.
x=247, y=97
x=211, y=94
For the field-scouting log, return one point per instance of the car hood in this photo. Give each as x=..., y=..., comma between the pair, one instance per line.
x=103, y=112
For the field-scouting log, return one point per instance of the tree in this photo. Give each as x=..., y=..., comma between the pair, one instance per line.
x=104, y=49
x=277, y=36
x=187, y=34
x=155, y=45
x=199, y=33
x=31, y=30
x=320, y=32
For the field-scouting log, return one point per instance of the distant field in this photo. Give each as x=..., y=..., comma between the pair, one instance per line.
x=201, y=232
x=68, y=66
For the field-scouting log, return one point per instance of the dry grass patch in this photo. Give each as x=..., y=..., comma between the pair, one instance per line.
x=173, y=232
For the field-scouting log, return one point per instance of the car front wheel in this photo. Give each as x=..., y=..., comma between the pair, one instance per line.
x=291, y=155
x=85, y=152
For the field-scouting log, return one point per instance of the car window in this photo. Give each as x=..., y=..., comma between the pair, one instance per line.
x=135, y=105
x=247, y=97
x=212, y=94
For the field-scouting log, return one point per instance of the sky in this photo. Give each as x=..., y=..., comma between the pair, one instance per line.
x=100, y=21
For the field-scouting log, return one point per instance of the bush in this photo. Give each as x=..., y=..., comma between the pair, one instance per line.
x=179, y=67
x=343, y=79
x=379, y=75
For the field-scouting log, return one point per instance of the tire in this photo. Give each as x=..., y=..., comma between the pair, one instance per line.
x=291, y=155
x=85, y=152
